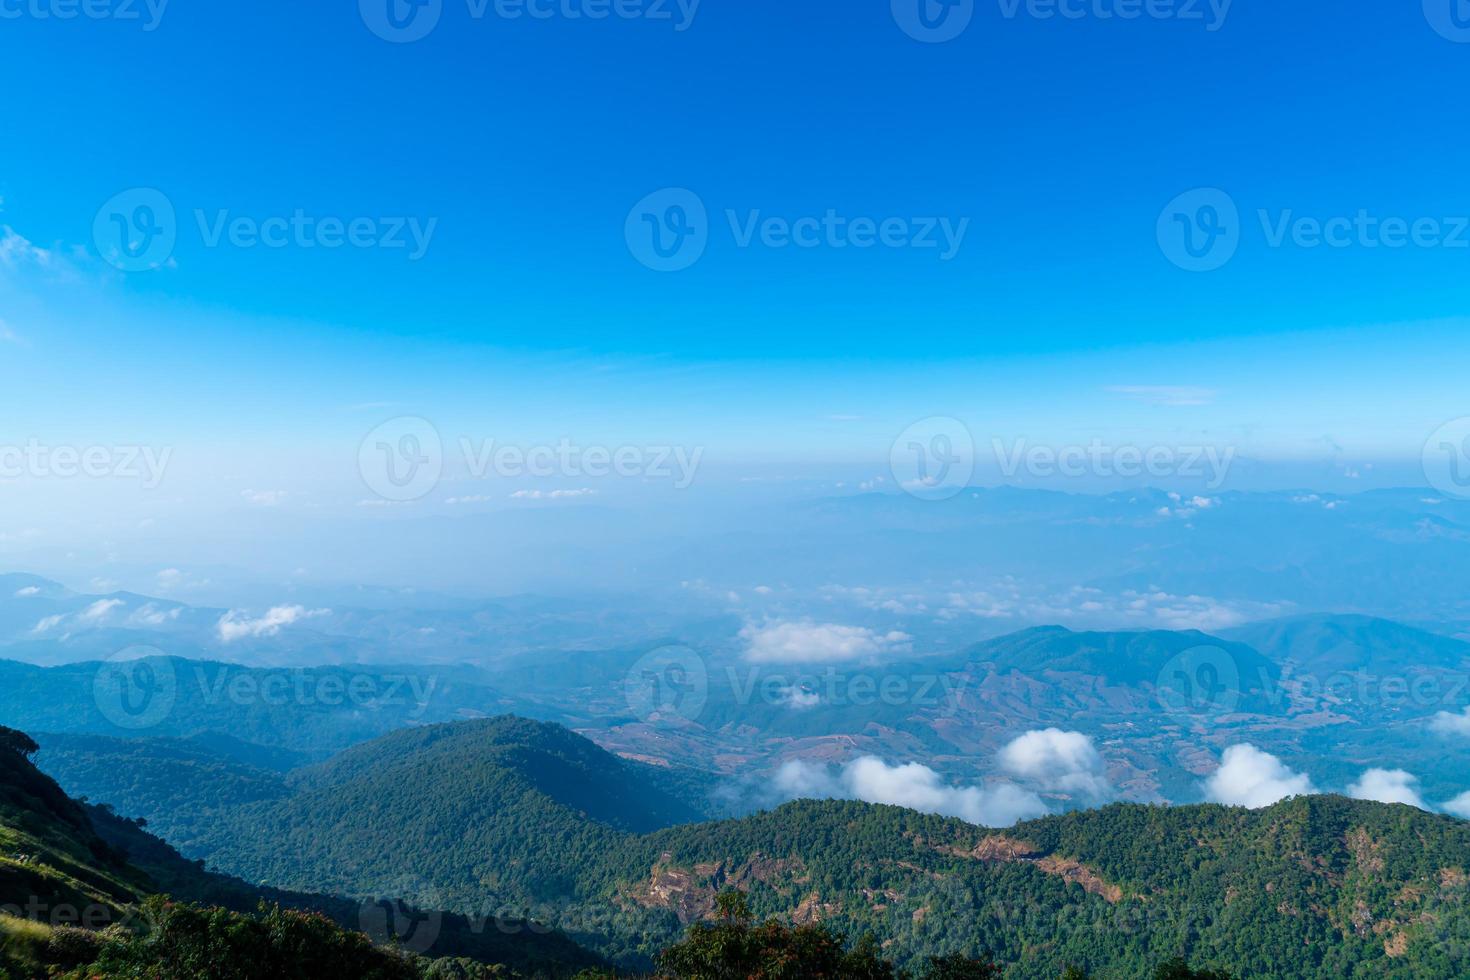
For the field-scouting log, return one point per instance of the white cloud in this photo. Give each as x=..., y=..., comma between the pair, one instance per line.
x=799, y=643
x=1459, y=806
x=1388, y=786
x=234, y=625
x=1183, y=612
x=1090, y=608
x=265, y=498
x=27, y=592
x=912, y=785
x=1058, y=761
x=177, y=580
x=17, y=251
x=98, y=610
x=1449, y=723
x=47, y=624
x=798, y=697
x=552, y=494
x=804, y=780
x=151, y=615
x=471, y=499
x=1252, y=778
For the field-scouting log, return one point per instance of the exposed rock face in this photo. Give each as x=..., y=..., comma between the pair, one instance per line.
x=691, y=892
x=1002, y=849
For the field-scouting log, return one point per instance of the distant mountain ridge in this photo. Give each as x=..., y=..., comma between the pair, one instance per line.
x=1182, y=695
x=309, y=710
x=1326, y=643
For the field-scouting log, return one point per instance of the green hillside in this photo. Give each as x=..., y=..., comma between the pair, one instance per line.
x=479, y=817
x=79, y=889
x=508, y=810
x=177, y=784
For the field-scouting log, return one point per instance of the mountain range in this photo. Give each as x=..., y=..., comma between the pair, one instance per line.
x=512, y=819
x=1332, y=695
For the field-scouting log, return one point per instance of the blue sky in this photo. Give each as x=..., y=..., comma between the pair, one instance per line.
x=1057, y=141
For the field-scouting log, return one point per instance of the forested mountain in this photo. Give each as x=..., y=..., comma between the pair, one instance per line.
x=79, y=890
x=484, y=818
x=175, y=783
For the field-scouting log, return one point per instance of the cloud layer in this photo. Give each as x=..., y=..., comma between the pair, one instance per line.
x=813, y=643
x=234, y=625
x=910, y=785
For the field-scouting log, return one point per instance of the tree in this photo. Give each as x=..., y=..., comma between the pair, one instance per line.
x=956, y=967
x=1178, y=969
x=18, y=742
x=735, y=947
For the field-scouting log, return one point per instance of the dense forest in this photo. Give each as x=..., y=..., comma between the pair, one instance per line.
x=510, y=820
x=76, y=903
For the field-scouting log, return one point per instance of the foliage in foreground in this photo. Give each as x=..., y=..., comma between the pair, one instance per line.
x=173, y=941
x=736, y=947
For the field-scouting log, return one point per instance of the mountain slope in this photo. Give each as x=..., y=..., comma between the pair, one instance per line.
x=474, y=803
x=1323, y=644
x=1312, y=887
x=50, y=855
x=65, y=865
x=176, y=784
x=1315, y=887
x=557, y=763
x=1126, y=658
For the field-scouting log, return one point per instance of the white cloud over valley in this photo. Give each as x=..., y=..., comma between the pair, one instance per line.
x=1388, y=786
x=808, y=643
x=235, y=625
x=911, y=785
x=1058, y=761
x=1252, y=778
